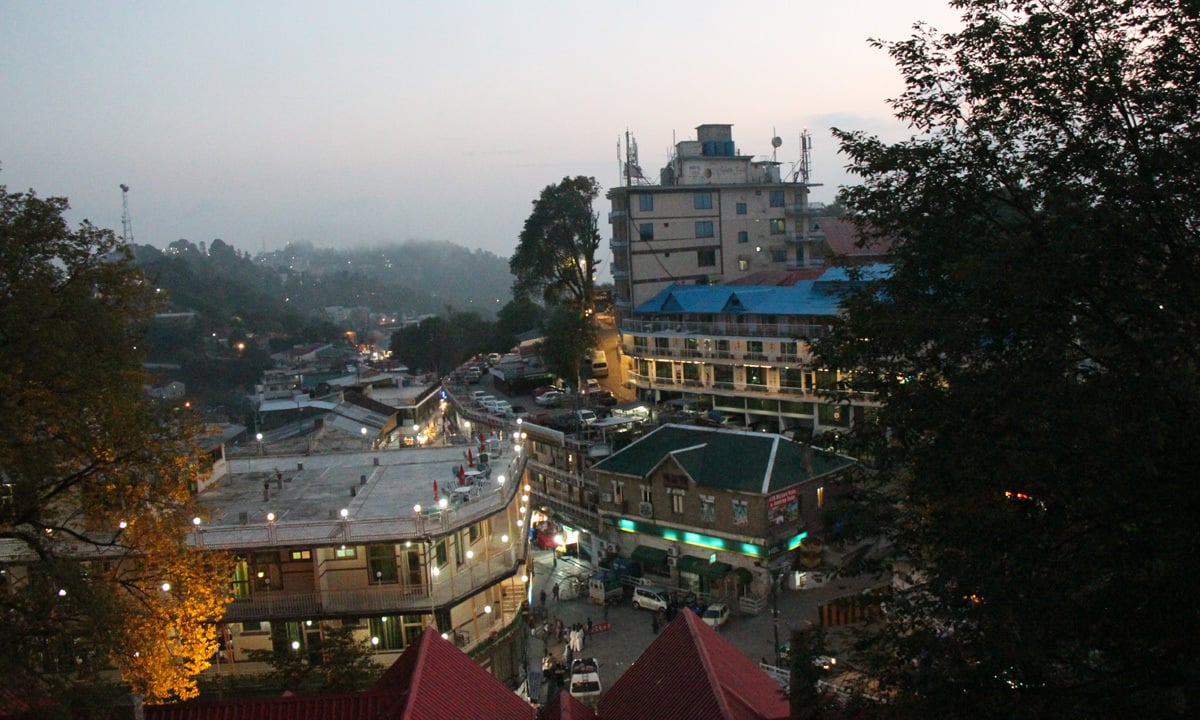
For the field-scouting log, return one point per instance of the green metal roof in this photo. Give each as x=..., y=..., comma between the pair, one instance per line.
x=739, y=460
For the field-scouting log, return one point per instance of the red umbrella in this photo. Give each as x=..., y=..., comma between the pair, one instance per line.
x=462, y=475
x=470, y=457
x=435, y=491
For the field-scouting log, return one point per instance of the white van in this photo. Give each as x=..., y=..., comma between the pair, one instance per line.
x=649, y=598
x=599, y=364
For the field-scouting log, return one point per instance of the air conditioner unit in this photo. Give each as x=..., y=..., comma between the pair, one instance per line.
x=672, y=561
x=646, y=509
x=673, y=552
x=606, y=497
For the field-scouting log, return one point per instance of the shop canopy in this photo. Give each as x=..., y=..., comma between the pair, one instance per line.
x=649, y=556
x=701, y=566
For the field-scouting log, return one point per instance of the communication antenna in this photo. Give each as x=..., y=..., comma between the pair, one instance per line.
x=805, y=157
x=126, y=223
x=776, y=142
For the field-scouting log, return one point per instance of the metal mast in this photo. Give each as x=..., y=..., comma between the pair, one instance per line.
x=126, y=223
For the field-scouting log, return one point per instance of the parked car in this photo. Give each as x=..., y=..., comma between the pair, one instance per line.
x=519, y=412
x=539, y=390
x=585, y=417
x=649, y=598
x=716, y=615
x=549, y=398
x=591, y=386
x=603, y=398
x=585, y=680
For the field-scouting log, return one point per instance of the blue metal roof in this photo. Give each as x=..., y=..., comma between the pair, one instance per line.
x=806, y=297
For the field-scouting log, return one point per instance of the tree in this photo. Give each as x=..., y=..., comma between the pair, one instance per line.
x=569, y=336
x=1035, y=352
x=94, y=479
x=556, y=252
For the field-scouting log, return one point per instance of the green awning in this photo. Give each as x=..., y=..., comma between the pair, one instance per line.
x=649, y=556
x=692, y=564
x=716, y=569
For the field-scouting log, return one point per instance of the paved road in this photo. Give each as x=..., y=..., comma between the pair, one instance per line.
x=631, y=631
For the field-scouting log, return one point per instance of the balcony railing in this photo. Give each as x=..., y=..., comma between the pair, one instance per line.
x=380, y=599
x=725, y=329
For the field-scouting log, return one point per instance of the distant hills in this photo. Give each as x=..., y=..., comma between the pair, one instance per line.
x=260, y=292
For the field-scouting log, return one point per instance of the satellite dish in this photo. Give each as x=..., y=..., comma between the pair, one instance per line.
x=776, y=141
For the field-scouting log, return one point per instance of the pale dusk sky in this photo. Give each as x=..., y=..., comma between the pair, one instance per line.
x=361, y=123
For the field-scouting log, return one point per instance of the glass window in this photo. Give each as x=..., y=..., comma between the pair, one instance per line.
x=618, y=492
x=708, y=509
x=662, y=371
x=302, y=555
x=662, y=343
x=723, y=373
x=703, y=201
x=777, y=226
x=677, y=503
x=704, y=229
x=776, y=198
x=691, y=371
x=788, y=347
x=779, y=256
x=646, y=231
x=743, y=236
x=345, y=553
x=741, y=512
x=756, y=376
x=639, y=341
x=723, y=346
x=440, y=554
x=706, y=258
x=741, y=208
x=646, y=202
x=743, y=264
x=388, y=631
x=754, y=347
x=381, y=564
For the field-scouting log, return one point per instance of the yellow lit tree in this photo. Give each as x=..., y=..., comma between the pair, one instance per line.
x=94, y=478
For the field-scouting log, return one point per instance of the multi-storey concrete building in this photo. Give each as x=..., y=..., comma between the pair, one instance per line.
x=715, y=214
x=387, y=542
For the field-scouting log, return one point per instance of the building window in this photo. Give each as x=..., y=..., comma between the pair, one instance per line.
x=776, y=198
x=704, y=228
x=743, y=236
x=388, y=631
x=756, y=375
x=754, y=347
x=663, y=371
x=646, y=231
x=618, y=492
x=778, y=255
x=723, y=374
x=299, y=555
x=677, y=503
x=662, y=344
x=741, y=513
x=708, y=508
x=703, y=201
x=256, y=627
x=821, y=496
x=777, y=226
x=741, y=208
x=743, y=264
x=381, y=564
x=345, y=553
x=647, y=493
x=723, y=347
x=646, y=202
x=706, y=258
x=440, y=555
x=691, y=373
x=639, y=342
x=788, y=347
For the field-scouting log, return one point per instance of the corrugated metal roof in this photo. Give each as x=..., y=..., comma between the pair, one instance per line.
x=690, y=672
x=431, y=680
x=741, y=460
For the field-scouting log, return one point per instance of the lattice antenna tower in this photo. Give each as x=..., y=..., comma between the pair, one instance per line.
x=126, y=223
x=805, y=155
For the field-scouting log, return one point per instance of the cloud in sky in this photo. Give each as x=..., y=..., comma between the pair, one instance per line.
x=367, y=122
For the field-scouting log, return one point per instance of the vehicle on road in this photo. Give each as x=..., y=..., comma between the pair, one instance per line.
x=716, y=615
x=539, y=390
x=590, y=386
x=585, y=680
x=549, y=398
x=649, y=598
x=599, y=364
x=602, y=398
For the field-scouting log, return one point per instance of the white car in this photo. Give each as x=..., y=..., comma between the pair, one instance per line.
x=550, y=398
x=715, y=615
x=585, y=680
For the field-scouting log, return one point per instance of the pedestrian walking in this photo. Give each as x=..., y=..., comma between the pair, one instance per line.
x=589, y=625
x=543, y=596
x=554, y=591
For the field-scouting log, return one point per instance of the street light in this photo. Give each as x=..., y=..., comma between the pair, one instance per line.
x=258, y=437
x=364, y=438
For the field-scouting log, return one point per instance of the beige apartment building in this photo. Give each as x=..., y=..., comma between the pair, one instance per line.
x=715, y=214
